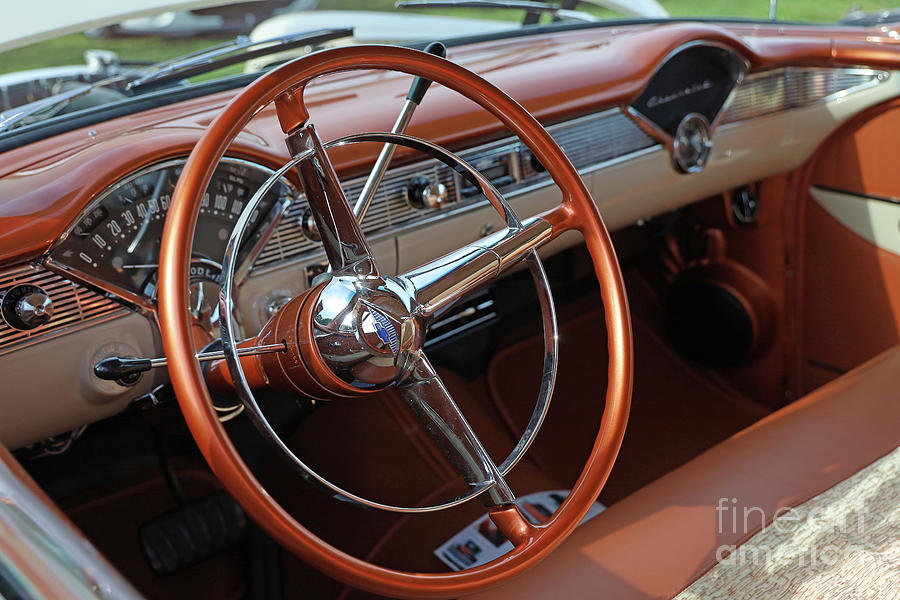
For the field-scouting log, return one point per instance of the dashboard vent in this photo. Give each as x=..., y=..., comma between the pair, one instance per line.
x=589, y=142
x=74, y=306
x=783, y=89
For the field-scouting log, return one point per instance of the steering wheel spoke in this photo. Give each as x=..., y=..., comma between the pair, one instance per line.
x=432, y=403
x=513, y=524
x=441, y=283
x=345, y=244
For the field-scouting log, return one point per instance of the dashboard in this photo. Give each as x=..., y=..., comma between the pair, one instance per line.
x=702, y=123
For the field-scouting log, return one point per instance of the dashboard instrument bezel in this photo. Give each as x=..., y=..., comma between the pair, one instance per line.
x=264, y=228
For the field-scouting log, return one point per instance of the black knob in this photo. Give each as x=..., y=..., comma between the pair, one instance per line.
x=420, y=85
x=125, y=369
x=744, y=205
x=421, y=192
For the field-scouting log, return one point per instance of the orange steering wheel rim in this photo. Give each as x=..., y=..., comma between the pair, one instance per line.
x=577, y=211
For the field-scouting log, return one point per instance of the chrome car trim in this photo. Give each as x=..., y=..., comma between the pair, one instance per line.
x=652, y=128
x=75, y=307
x=622, y=140
x=364, y=200
x=146, y=305
x=786, y=88
x=340, y=233
x=39, y=541
x=591, y=142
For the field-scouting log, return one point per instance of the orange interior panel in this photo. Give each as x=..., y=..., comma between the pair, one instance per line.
x=850, y=305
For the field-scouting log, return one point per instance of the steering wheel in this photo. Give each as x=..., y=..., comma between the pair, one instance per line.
x=362, y=331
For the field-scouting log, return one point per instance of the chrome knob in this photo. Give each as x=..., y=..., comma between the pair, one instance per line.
x=421, y=192
x=26, y=306
x=35, y=309
x=276, y=304
x=309, y=227
x=692, y=144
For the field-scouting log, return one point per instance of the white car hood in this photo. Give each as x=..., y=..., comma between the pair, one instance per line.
x=45, y=19
x=374, y=26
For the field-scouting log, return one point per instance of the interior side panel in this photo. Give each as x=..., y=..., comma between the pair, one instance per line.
x=850, y=309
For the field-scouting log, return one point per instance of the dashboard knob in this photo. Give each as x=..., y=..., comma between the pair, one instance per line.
x=276, y=304
x=26, y=306
x=309, y=227
x=421, y=192
x=692, y=144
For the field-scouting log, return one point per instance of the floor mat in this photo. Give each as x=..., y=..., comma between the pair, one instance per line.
x=481, y=541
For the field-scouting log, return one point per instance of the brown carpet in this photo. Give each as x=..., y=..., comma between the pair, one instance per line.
x=377, y=449
x=676, y=411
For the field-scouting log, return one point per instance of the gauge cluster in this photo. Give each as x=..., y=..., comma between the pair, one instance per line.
x=115, y=243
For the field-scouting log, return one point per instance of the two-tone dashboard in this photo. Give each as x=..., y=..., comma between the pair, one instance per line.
x=86, y=209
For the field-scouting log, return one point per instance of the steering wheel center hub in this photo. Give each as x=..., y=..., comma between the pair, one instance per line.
x=365, y=332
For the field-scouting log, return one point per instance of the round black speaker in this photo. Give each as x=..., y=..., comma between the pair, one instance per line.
x=708, y=324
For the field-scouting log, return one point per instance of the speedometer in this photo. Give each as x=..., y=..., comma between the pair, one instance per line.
x=115, y=243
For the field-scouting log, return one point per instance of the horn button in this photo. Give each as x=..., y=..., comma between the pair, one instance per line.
x=364, y=331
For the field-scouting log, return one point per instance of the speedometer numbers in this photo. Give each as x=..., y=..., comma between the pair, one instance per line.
x=116, y=240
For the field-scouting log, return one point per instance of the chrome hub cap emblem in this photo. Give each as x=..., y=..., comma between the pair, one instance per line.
x=365, y=331
x=374, y=321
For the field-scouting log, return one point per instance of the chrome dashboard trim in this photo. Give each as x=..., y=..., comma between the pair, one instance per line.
x=607, y=135
x=652, y=128
x=288, y=246
x=76, y=307
x=586, y=139
x=787, y=88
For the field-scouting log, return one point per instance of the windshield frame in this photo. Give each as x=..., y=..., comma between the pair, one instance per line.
x=66, y=122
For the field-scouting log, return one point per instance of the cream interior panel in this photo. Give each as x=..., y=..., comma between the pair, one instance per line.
x=50, y=388
x=877, y=221
x=645, y=185
x=743, y=152
x=427, y=243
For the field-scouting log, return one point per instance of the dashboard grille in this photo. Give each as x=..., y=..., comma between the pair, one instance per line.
x=588, y=141
x=792, y=87
x=74, y=306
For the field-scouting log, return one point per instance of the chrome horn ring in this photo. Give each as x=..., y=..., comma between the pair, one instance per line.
x=548, y=316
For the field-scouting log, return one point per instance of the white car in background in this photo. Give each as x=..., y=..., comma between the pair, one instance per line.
x=373, y=27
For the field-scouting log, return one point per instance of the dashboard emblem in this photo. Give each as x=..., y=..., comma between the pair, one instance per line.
x=688, y=90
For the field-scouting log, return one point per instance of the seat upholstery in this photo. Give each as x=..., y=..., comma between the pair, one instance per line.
x=660, y=539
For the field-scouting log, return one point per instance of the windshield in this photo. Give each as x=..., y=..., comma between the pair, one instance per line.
x=117, y=62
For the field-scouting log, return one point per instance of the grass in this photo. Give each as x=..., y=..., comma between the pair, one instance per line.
x=69, y=49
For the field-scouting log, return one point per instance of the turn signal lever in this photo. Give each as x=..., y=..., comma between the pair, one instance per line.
x=119, y=368
x=413, y=99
